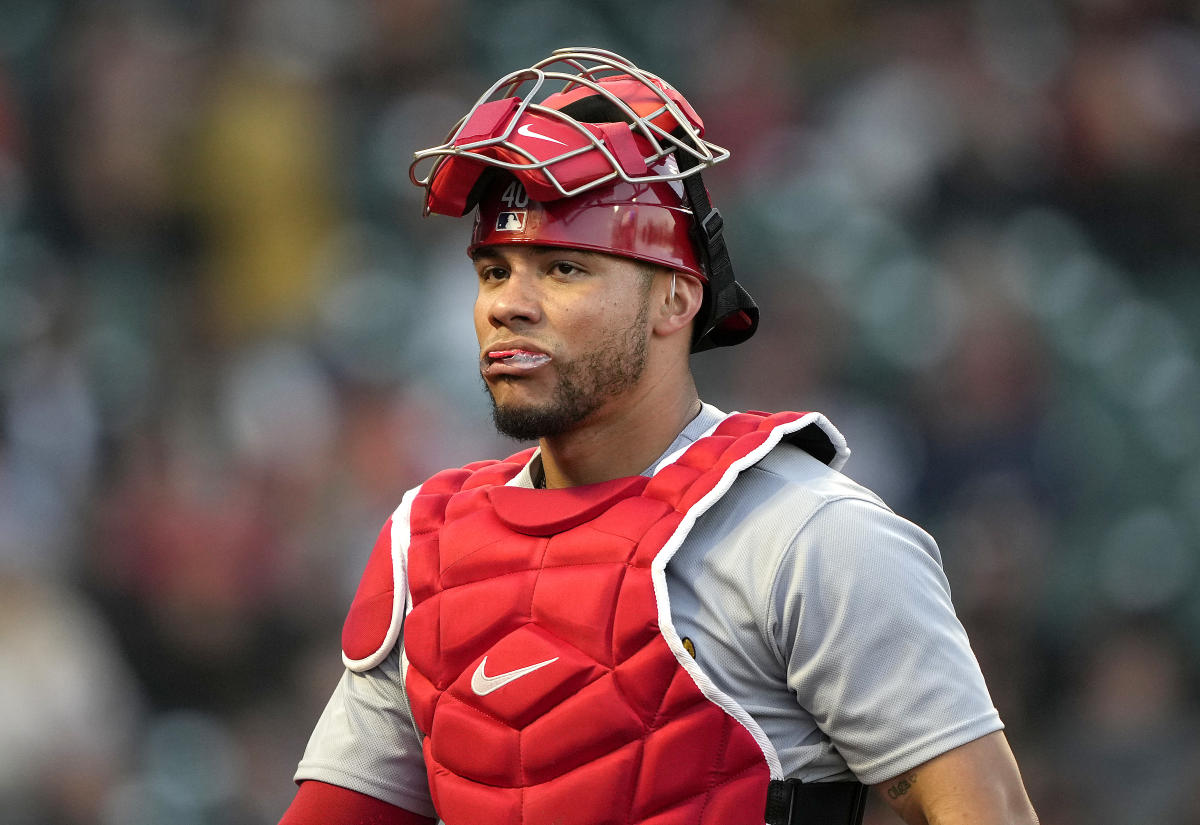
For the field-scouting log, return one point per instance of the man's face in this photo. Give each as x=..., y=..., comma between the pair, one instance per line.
x=562, y=334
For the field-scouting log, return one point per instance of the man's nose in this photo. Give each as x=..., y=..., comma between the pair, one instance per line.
x=516, y=301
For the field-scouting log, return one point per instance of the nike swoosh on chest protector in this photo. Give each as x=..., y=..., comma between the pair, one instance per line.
x=483, y=684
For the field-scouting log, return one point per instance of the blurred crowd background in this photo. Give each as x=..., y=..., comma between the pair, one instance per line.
x=228, y=342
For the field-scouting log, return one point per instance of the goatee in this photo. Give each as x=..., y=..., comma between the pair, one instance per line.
x=583, y=386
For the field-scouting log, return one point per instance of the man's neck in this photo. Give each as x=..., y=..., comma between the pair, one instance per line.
x=617, y=443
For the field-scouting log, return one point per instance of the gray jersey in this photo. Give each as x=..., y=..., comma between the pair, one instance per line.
x=822, y=613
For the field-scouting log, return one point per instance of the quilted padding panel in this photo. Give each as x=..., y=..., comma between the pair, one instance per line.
x=587, y=727
x=371, y=612
x=579, y=601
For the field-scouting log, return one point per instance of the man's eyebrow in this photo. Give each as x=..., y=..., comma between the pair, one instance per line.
x=484, y=252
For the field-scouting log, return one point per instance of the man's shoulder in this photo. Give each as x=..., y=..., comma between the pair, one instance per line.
x=791, y=478
x=790, y=508
x=771, y=503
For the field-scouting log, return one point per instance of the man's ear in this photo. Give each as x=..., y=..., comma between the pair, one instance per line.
x=677, y=299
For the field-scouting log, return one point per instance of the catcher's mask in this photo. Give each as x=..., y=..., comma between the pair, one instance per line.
x=610, y=163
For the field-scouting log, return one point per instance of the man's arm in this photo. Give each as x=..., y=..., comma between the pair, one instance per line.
x=365, y=741
x=974, y=784
x=318, y=803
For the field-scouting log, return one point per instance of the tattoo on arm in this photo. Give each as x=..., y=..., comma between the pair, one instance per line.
x=902, y=786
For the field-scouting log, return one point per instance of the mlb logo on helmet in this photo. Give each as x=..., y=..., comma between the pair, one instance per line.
x=510, y=222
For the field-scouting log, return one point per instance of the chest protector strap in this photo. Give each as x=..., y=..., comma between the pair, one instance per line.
x=792, y=802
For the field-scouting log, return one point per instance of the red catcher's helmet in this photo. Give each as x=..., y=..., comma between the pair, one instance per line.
x=610, y=163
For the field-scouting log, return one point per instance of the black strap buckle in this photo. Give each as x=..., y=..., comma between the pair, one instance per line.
x=713, y=225
x=792, y=802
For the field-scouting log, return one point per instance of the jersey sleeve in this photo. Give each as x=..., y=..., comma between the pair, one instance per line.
x=873, y=649
x=365, y=740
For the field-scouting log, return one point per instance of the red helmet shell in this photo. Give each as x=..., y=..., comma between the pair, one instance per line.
x=643, y=221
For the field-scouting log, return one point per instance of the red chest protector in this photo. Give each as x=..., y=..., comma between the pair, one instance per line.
x=543, y=669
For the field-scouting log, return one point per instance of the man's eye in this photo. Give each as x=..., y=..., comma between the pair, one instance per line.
x=492, y=273
x=565, y=268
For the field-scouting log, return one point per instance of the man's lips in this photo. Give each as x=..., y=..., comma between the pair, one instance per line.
x=513, y=360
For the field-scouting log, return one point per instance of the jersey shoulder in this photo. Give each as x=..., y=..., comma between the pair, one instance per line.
x=791, y=475
x=790, y=502
x=770, y=507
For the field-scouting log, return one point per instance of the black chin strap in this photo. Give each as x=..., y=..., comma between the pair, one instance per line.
x=729, y=315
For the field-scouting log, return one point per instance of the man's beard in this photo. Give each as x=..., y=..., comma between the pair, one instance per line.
x=584, y=385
